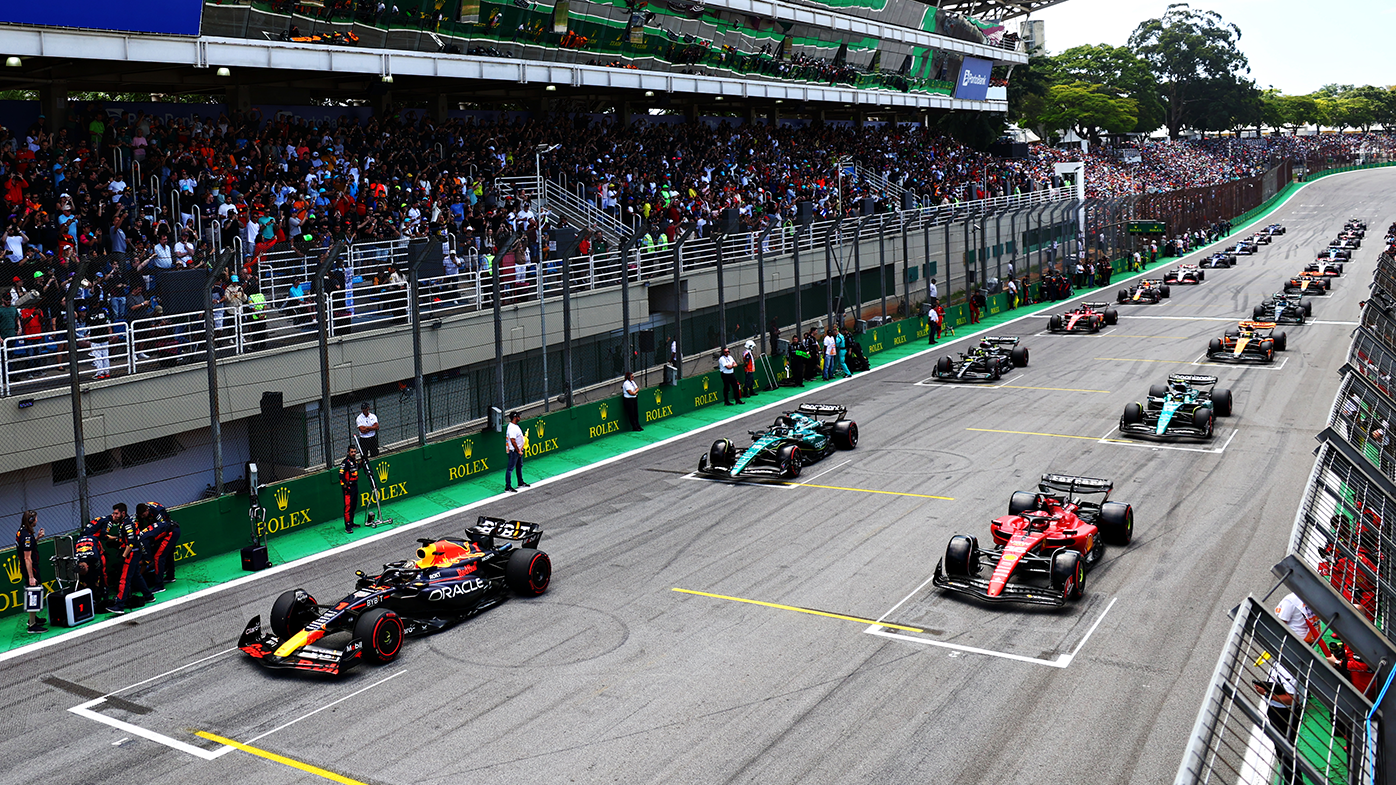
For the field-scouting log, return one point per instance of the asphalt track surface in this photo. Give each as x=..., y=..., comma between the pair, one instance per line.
x=647, y=661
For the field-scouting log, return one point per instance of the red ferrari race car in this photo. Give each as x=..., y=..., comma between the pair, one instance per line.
x=1088, y=318
x=1043, y=547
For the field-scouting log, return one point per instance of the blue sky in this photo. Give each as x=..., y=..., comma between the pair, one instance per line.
x=1294, y=45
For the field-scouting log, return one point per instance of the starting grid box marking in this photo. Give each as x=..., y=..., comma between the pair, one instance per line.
x=1060, y=661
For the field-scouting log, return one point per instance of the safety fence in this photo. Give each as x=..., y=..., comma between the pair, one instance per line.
x=1342, y=563
x=1275, y=711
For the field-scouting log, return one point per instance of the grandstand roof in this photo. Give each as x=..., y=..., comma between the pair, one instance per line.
x=1002, y=10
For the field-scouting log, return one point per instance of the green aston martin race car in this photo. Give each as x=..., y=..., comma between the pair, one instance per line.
x=802, y=436
x=1182, y=407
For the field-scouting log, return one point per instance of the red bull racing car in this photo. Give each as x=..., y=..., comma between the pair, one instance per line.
x=451, y=580
x=1087, y=318
x=1043, y=548
x=1149, y=290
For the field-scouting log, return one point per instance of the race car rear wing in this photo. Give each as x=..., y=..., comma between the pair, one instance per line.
x=822, y=410
x=526, y=533
x=1070, y=483
x=1248, y=324
x=1003, y=340
x=1191, y=378
x=1097, y=306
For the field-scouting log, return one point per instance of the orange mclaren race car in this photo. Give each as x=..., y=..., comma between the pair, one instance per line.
x=1248, y=341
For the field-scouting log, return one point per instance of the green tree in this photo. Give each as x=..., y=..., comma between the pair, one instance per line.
x=1087, y=109
x=1188, y=50
x=1302, y=110
x=1121, y=72
x=1027, y=87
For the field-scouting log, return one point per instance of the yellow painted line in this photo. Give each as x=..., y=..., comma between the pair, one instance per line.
x=1055, y=389
x=1138, y=360
x=798, y=609
x=282, y=759
x=1056, y=435
x=869, y=490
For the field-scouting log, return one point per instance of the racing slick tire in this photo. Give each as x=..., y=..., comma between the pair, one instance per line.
x=1201, y=276
x=962, y=556
x=722, y=455
x=1214, y=346
x=845, y=434
x=1116, y=523
x=1258, y=312
x=289, y=615
x=1157, y=391
x=1268, y=346
x=1221, y=402
x=1069, y=574
x=1019, y=355
x=1122, y=296
x=1202, y=420
x=1021, y=501
x=1165, y=291
x=1094, y=325
x=945, y=366
x=1308, y=308
x=1054, y=323
x=788, y=458
x=1112, y=316
x=528, y=572
x=381, y=631
x=1281, y=340
x=1340, y=269
x=1134, y=414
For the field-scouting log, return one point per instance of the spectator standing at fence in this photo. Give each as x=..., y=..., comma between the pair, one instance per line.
x=514, y=448
x=630, y=401
x=27, y=551
x=9, y=318
x=256, y=318
x=727, y=367
x=933, y=292
x=367, y=425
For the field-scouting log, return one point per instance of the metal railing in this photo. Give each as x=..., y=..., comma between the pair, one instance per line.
x=1245, y=733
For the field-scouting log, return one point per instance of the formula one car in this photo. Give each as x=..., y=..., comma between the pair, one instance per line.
x=802, y=436
x=451, y=580
x=1179, y=408
x=1282, y=308
x=1349, y=236
x=1185, y=273
x=1326, y=264
x=1274, y=229
x=989, y=361
x=1248, y=341
x=1343, y=244
x=1043, y=547
x=1259, y=238
x=1355, y=225
x=1087, y=318
x=1241, y=248
x=1307, y=283
x=1220, y=259
x=1149, y=290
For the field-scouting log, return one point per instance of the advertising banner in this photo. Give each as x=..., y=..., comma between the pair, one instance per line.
x=169, y=17
x=973, y=84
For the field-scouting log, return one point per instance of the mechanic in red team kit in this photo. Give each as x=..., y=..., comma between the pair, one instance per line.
x=349, y=483
x=129, y=580
x=161, y=535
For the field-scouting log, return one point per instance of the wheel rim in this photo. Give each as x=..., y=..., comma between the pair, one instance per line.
x=853, y=435
x=387, y=636
x=539, y=572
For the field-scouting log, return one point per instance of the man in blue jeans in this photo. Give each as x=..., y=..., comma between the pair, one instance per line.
x=514, y=444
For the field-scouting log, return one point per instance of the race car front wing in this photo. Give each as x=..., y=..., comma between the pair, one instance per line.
x=978, y=588
x=315, y=659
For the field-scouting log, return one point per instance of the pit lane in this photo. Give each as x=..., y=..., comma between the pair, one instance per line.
x=613, y=676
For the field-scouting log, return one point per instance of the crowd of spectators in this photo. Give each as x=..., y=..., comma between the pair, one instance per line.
x=140, y=193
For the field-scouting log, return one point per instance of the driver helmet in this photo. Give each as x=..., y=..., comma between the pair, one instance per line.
x=984, y=344
x=1178, y=387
